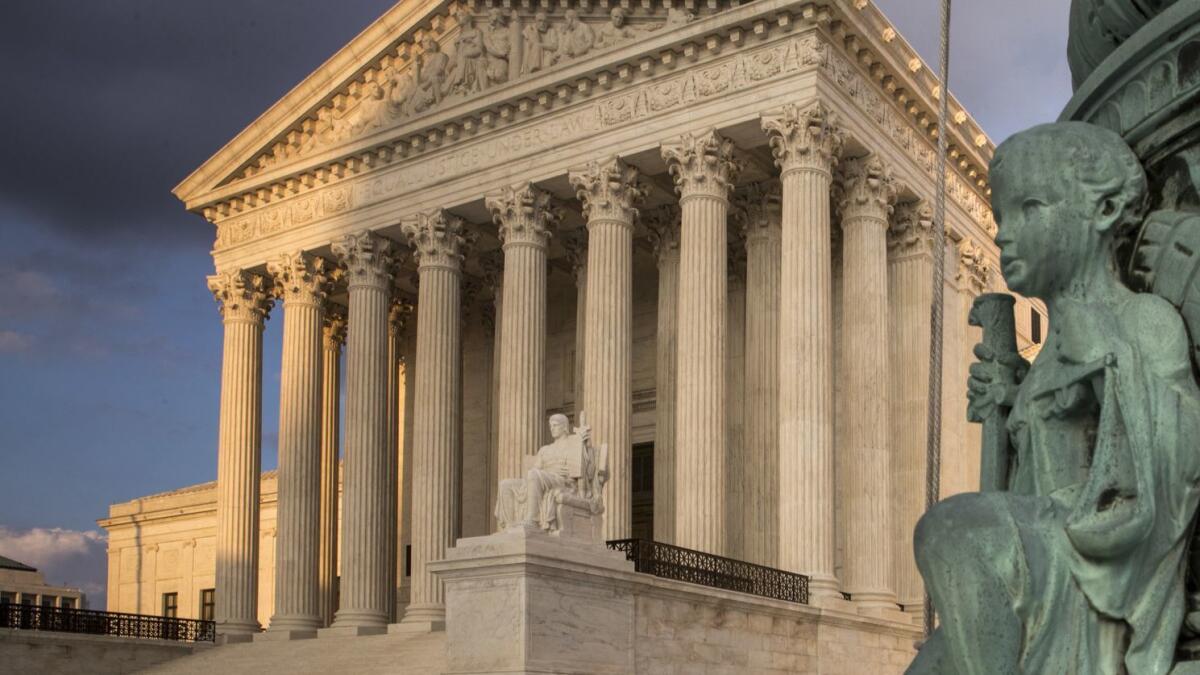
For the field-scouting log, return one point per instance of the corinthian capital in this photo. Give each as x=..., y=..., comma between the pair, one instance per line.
x=867, y=190
x=702, y=164
x=609, y=189
x=301, y=278
x=438, y=239
x=758, y=210
x=974, y=273
x=663, y=225
x=807, y=137
x=241, y=296
x=912, y=229
x=334, y=329
x=369, y=259
x=524, y=215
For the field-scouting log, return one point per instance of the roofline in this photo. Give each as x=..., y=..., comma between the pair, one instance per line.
x=359, y=53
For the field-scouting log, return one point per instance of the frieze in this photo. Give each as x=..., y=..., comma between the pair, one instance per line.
x=737, y=72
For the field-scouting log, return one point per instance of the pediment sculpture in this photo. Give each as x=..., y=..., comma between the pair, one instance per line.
x=562, y=491
x=486, y=52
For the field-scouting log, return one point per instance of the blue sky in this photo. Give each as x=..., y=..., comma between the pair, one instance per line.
x=109, y=341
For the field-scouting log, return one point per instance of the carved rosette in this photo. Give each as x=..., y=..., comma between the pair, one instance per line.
x=912, y=229
x=333, y=330
x=757, y=210
x=367, y=258
x=867, y=190
x=804, y=138
x=242, y=296
x=974, y=274
x=702, y=164
x=663, y=226
x=524, y=215
x=575, y=243
x=438, y=239
x=610, y=191
x=301, y=278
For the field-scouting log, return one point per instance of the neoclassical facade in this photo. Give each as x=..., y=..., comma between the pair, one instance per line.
x=707, y=227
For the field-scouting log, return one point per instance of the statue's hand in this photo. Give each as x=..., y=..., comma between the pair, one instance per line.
x=994, y=381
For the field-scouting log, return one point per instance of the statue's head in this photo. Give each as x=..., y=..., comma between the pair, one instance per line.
x=541, y=21
x=571, y=17
x=618, y=16
x=559, y=426
x=430, y=45
x=496, y=17
x=1061, y=194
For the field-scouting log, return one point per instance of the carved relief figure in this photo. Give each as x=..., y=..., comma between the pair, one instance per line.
x=541, y=42
x=467, y=73
x=497, y=45
x=617, y=30
x=429, y=78
x=569, y=471
x=1072, y=559
x=369, y=114
x=577, y=36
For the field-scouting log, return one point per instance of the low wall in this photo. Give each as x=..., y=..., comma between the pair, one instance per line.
x=32, y=652
x=523, y=601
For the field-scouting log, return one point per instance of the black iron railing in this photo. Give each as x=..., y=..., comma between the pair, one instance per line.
x=683, y=564
x=64, y=620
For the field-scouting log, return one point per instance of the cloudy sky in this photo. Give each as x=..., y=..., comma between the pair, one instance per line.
x=109, y=341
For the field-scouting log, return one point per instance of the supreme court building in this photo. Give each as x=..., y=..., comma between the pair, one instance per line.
x=705, y=224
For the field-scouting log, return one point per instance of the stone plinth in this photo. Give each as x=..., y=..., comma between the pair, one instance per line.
x=526, y=601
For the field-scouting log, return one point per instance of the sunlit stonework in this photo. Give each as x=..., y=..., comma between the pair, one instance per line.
x=500, y=213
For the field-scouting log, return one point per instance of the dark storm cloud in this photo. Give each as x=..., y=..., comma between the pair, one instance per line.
x=112, y=103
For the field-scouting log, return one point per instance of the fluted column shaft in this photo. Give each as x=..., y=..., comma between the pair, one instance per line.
x=302, y=282
x=331, y=355
x=405, y=497
x=397, y=316
x=761, y=480
x=363, y=605
x=704, y=171
x=525, y=220
x=610, y=191
x=244, y=303
x=806, y=142
x=664, y=228
x=577, y=251
x=437, y=239
x=736, y=466
x=864, y=210
x=910, y=267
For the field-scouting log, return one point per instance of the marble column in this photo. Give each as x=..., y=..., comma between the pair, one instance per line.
x=492, y=263
x=302, y=282
x=663, y=224
x=576, y=245
x=736, y=469
x=405, y=515
x=806, y=142
x=974, y=278
x=759, y=209
x=244, y=301
x=437, y=239
x=868, y=192
x=367, y=259
x=704, y=171
x=610, y=191
x=334, y=337
x=910, y=297
x=398, y=315
x=525, y=220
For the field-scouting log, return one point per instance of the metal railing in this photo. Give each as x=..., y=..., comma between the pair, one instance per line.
x=65, y=620
x=706, y=569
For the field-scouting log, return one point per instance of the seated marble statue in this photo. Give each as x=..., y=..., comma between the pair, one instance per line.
x=569, y=472
x=1073, y=559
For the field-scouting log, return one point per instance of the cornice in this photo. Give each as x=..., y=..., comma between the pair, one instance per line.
x=859, y=31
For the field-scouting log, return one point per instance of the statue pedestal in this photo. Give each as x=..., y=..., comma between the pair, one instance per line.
x=526, y=601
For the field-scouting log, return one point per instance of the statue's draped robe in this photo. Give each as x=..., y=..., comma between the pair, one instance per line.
x=550, y=472
x=1090, y=538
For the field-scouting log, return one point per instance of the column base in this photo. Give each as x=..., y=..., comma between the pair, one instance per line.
x=236, y=629
x=366, y=618
x=294, y=623
x=350, y=631
x=414, y=627
x=823, y=586
x=285, y=634
x=424, y=614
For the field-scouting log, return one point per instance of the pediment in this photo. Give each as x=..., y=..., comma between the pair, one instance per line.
x=415, y=61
